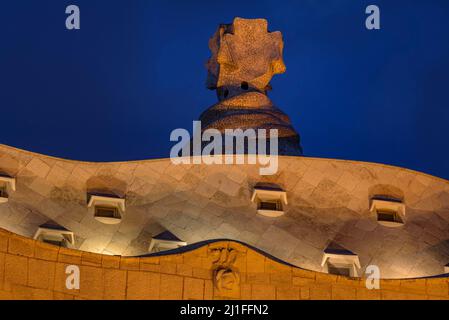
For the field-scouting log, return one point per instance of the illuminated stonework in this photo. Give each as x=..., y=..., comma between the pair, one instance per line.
x=329, y=202
x=225, y=275
x=245, y=56
x=35, y=270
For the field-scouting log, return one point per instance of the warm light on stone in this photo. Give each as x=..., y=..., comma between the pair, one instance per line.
x=286, y=235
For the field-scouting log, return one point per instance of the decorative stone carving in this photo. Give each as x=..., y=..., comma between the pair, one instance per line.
x=226, y=278
x=245, y=57
x=245, y=52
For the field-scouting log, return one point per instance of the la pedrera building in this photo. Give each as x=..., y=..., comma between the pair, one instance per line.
x=153, y=229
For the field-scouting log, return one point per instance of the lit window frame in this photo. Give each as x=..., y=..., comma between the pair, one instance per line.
x=261, y=195
x=343, y=260
x=97, y=201
x=393, y=206
x=43, y=232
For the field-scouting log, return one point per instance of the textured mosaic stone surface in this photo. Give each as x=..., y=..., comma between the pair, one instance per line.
x=245, y=57
x=328, y=201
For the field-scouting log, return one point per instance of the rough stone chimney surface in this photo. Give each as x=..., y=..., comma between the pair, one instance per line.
x=245, y=57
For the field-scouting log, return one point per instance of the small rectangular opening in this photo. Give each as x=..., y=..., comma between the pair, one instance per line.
x=388, y=216
x=3, y=193
x=107, y=212
x=270, y=205
x=339, y=270
x=56, y=237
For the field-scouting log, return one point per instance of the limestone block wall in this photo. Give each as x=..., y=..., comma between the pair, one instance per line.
x=218, y=270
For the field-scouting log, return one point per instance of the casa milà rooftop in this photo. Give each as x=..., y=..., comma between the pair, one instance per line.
x=324, y=215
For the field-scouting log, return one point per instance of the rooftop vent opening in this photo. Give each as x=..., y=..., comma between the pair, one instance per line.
x=107, y=212
x=55, y=235
x=270, y=205
x=388, y=216
x=165, y=241
x=107, y=209
x=390, y=212
x=340, y=261
x=7, y=185
x=3, y=193
x=270, y=200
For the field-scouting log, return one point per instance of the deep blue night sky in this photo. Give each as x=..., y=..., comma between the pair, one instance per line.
x=135, y=71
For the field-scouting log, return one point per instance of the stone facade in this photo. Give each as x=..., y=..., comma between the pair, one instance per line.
x=211, y=206
x=328, y=202
x=33, y=270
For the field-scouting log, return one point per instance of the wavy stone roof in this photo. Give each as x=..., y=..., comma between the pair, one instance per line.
x=328, y=203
